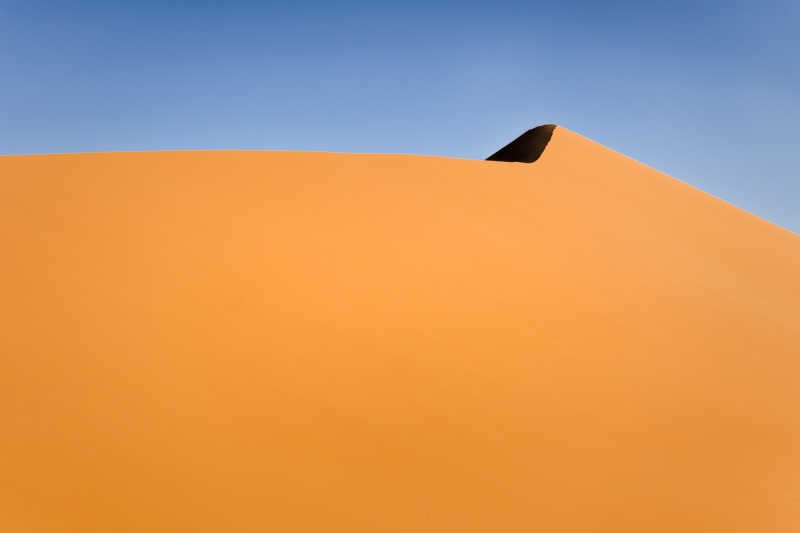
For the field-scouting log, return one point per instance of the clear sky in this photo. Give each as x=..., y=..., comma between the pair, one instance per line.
x=708, y=92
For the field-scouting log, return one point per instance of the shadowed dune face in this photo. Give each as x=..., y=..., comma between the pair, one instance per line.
x=246, y=341
x=527, y=148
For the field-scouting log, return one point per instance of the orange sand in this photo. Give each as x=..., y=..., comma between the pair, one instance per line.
x=264, y=341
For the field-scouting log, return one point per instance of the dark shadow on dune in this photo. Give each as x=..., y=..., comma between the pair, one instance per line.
x=526, y=148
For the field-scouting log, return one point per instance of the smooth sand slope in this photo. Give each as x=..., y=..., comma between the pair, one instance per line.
x=256, y=341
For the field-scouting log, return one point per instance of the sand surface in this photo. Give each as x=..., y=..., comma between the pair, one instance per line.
x=268, y=341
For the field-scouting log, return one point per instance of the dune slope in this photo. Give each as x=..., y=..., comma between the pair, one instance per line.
x=266, y=341
x=527, y=148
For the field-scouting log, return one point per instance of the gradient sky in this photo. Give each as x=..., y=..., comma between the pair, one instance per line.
x=708, y=92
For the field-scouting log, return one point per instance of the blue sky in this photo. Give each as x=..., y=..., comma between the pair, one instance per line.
x=708, y=92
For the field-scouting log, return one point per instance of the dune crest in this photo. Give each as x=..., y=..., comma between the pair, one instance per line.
x=268, y=341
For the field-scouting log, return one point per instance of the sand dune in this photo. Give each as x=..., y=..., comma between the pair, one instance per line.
x=267, y=341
